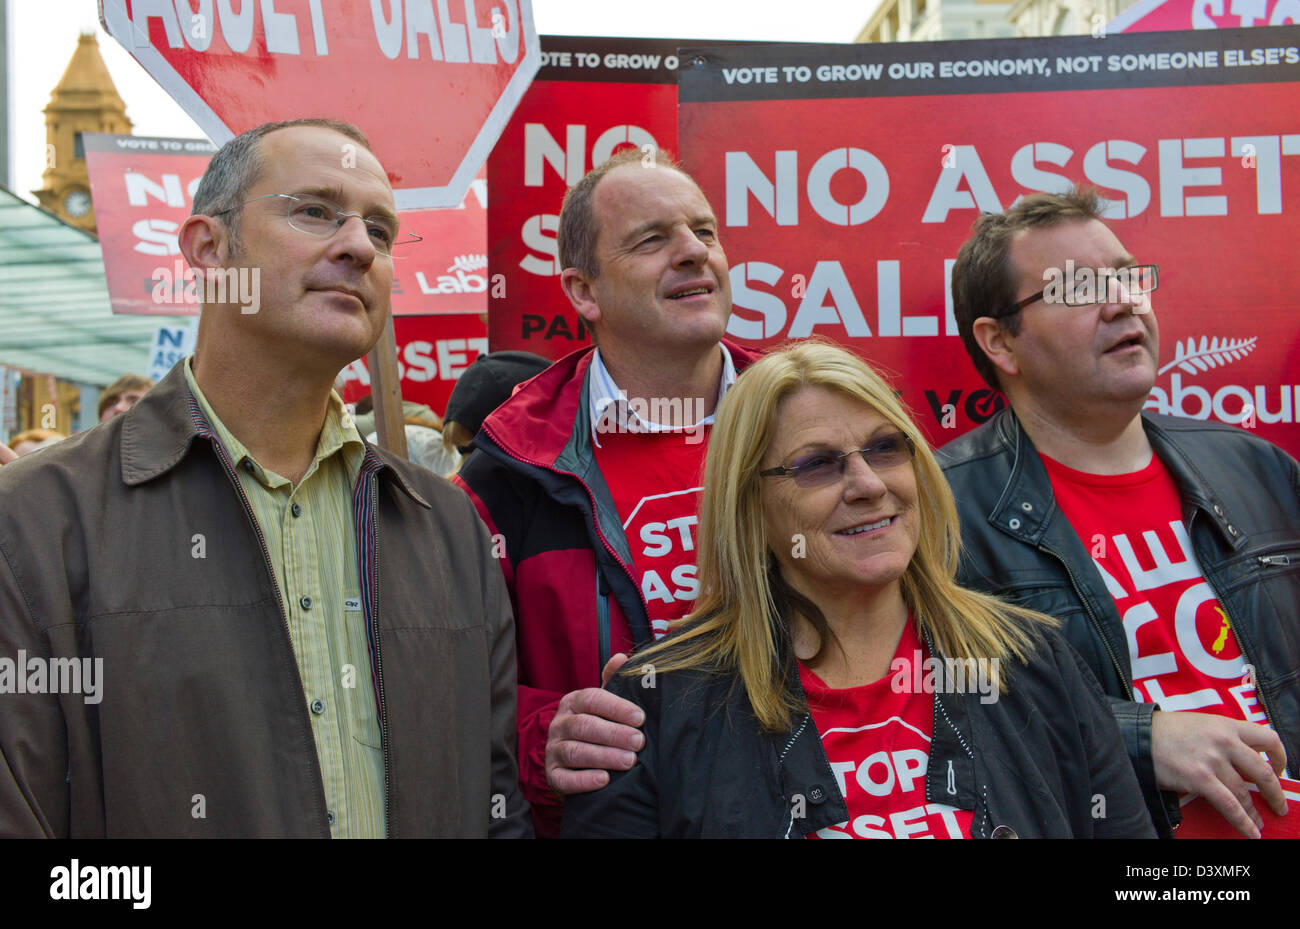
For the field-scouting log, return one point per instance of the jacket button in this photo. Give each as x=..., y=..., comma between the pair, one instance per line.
x=1218, y=509
x=1004, y=832
x=1027, y=507
x=249, y=466
x=1014, y=523
x=329, y=815
x=305, y=603
x=318, y=707
x=296, y=510
x=816, y=793
x=1232, y=530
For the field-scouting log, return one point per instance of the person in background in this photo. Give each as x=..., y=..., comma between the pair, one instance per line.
x=800, y=697
x=486, y=384
x=122, y=394
x=424, y=442
x=29, y=440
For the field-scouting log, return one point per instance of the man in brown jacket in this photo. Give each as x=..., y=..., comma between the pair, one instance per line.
x=222, y=613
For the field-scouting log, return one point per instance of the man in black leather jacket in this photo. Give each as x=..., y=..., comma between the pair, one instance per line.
x=1076, y=368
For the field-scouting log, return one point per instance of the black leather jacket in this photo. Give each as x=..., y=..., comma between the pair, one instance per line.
x=1042, y=760
x=1241, y=507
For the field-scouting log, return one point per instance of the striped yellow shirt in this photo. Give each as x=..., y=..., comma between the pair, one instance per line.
x=311, y=539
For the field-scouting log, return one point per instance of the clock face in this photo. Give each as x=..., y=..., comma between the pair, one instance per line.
x=77, y=203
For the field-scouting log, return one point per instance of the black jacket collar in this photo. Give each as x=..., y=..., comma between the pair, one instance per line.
x=1026, y=505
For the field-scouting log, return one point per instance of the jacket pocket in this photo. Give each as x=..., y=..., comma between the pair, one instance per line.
x=354, y=686
x=360, y=701
x=1282, y=561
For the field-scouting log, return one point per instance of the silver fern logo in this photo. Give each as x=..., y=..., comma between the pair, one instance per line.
x=468, y=263
x=1210, y=353
x=1239, y=404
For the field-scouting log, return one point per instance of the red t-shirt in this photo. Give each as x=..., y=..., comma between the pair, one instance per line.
x=1182, y=650
x=878, y=743
x=656, y=479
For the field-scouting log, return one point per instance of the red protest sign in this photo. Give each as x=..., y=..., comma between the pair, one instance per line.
x=432, y=353
x=143, y=188
x=360, y=61
x=1202, y=821
x=1167, y=15
x=447, y=272
x=846, y=178
x=591, y=98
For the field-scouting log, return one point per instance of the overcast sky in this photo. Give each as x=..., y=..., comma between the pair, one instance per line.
x=43, y=36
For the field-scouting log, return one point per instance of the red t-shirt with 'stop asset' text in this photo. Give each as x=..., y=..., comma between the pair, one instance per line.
x=877, y=740
x=655, y=479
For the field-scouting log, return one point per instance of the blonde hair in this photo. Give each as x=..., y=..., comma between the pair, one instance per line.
x=34, y=435
x=740, y=622
x=455, y=436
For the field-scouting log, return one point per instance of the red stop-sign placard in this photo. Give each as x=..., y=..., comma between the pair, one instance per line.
x=1168, y=15
x=430, y=82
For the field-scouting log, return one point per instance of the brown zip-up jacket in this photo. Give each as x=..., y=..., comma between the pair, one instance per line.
x=133, y=579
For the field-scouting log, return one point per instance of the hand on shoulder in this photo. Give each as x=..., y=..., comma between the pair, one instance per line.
x=593, y=732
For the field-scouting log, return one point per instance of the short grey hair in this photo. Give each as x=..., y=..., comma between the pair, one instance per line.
x=237, y=165
x=578, y=230
x=575, y=239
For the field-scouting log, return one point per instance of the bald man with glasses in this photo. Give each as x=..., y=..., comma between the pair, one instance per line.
x=234, y=616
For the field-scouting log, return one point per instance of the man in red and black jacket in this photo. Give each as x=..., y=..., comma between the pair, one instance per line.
x=589, y=476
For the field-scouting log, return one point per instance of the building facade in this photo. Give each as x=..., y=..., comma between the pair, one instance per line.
x=1064, y=17
x=84, y=100
x=919, y=20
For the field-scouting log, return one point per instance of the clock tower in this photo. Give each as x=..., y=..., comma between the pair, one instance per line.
x=84, y=100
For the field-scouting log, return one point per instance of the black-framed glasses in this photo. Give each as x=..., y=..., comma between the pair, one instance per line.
x=817, y=469
x=1089, y=286
x=321, y=218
